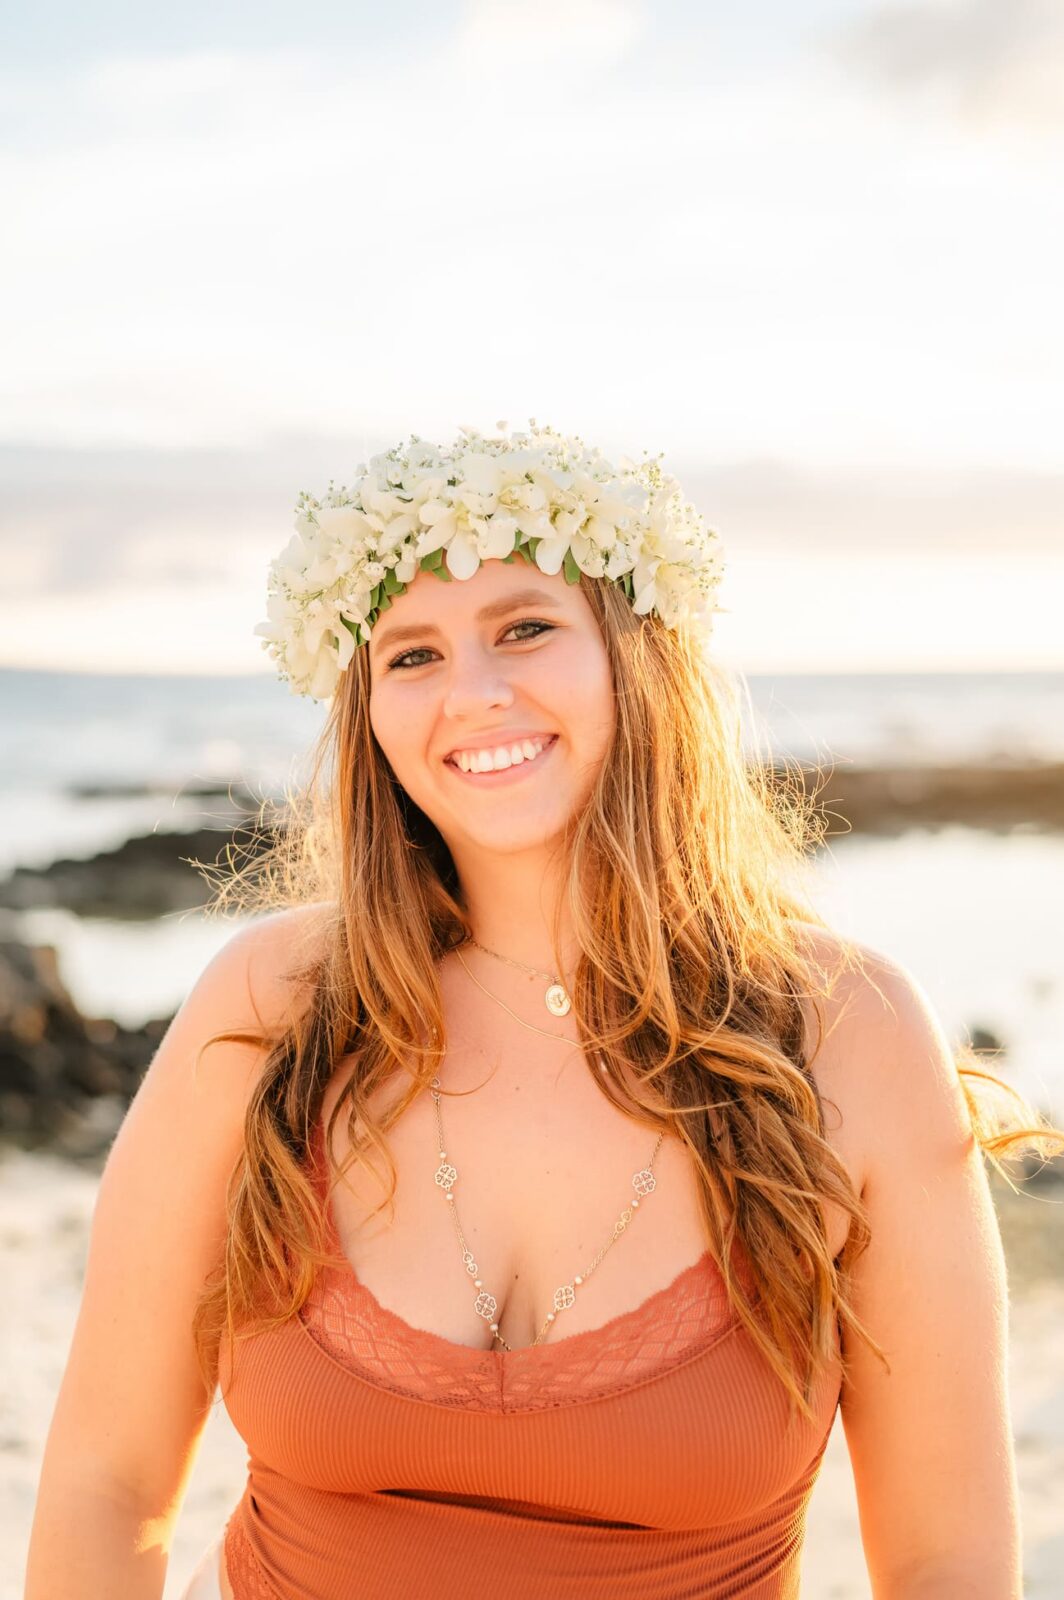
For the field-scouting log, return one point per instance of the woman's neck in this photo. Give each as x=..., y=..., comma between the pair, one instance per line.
x=510, y=902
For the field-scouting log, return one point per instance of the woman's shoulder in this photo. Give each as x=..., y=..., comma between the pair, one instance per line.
x=864, y=991
x=878, y=1050
x=276, y=954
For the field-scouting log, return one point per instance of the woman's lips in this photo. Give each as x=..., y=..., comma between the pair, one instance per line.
x=514, y=774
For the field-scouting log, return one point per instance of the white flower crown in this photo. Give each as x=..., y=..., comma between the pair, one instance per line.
x=419, y=507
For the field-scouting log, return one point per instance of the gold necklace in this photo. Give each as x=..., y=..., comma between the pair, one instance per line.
x=486, y=1305
x=447, y=1176
x=556, y=999
x=529, y=1025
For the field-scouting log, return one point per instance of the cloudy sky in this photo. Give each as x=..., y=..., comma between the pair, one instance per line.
x=811, y=251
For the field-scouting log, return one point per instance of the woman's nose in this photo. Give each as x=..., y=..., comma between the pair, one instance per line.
x=475, y=682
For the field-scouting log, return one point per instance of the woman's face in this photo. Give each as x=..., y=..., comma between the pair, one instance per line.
x=508, y=657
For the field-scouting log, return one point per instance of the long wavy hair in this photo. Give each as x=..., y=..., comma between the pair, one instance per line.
x=686, y=882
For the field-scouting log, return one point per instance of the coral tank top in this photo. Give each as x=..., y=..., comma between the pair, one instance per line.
x=649, y=1457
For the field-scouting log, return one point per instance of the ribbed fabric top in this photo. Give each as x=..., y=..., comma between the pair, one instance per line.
x=650, y=1457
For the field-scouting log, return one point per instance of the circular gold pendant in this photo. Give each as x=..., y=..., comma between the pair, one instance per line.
x=558, y=1002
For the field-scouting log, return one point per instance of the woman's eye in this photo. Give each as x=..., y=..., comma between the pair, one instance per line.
x=402, y=663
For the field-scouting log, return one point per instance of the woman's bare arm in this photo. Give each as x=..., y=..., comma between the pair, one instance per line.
x=131, y=1407
x=931, y=1443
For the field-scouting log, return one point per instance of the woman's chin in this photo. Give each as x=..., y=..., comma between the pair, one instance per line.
x=508, y=834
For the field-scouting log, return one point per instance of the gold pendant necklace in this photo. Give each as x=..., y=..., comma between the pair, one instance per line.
x=556, y=999
x=559, y=1037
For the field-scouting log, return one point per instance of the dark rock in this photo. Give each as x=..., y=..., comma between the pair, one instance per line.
x=236, y=793
x=65, y=1080
x=888, y=801
x=146, y=876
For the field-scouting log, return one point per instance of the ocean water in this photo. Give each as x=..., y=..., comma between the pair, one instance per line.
x=973, y=915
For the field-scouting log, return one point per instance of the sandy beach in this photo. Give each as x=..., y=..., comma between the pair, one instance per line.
x=46, y=1205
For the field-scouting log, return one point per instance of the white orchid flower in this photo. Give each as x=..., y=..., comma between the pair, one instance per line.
x=479, y=473
x=550, y=553
x=344, y=524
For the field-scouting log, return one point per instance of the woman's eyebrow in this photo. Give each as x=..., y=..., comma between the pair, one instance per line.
x=497, y=608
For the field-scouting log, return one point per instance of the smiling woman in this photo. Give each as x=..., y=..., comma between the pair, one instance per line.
x=671, y=1174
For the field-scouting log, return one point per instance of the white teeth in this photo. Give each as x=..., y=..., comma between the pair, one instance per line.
x=499, y=759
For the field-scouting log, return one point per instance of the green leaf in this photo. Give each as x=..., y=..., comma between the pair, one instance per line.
x=432, y=560
x=391, y=582
x=572, y=571
x=353, y=627
x=442, y=572
x=386, y=601
x=532, y=546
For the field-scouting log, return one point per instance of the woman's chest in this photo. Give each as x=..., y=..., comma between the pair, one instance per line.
x=549, y=1182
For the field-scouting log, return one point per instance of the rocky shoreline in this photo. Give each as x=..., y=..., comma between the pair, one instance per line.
x=886, y=801
x=152, y=875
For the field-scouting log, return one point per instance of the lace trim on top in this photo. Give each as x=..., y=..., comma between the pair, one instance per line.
x=673, y=1325
x=246, y=1577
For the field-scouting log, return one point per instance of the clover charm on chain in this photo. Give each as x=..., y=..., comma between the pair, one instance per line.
x=486, y=1305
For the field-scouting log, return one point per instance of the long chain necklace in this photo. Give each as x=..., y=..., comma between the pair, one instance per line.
x=485, y=1304
x=643, y=1182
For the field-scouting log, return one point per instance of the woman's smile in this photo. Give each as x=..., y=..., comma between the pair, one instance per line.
x=497, y=777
